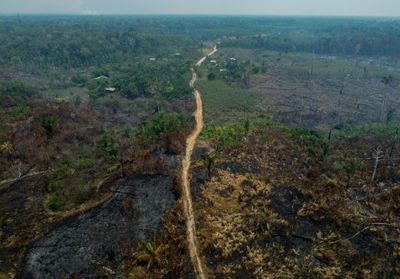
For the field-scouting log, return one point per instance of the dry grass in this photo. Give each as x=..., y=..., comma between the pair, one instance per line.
x=271, y=210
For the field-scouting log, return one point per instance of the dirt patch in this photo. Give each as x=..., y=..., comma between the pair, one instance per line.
x=101, y=238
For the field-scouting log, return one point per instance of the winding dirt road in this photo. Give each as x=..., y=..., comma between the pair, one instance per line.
x=186, y=194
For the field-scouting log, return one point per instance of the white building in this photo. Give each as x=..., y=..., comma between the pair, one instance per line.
x=110, y=89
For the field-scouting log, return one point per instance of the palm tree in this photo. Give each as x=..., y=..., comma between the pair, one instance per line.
x=209, y=160
x=151, y=254
x=7, y=148
x=351, y=167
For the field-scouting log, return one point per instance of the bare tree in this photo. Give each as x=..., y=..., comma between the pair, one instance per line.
x=378, y=154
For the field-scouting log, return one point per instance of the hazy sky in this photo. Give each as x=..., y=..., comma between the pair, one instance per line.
x=260, y=7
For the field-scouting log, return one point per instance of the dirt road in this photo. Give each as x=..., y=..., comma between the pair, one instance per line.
x=186, y=194
x=215, y=49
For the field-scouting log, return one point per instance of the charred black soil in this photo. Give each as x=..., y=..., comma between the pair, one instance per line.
x=102, y=239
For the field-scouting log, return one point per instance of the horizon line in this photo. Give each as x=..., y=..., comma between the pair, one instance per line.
x=195, y=14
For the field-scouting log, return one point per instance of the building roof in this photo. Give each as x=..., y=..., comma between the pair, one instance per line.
x=110, y=89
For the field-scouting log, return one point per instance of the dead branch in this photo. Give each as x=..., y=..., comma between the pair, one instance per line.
x=377, y=155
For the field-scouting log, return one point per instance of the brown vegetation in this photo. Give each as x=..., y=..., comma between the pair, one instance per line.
x=272, y=209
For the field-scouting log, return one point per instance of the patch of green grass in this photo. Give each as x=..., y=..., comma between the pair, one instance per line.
x=302, y=136
x=228, y=135
x=389, y=129
x=76, y=195
x=69, y=95
x=66, y=193
x=225, y=103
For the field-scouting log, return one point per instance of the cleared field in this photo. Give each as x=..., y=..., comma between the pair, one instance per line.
x=327, y=102
x=316, y=91
x=312, y=65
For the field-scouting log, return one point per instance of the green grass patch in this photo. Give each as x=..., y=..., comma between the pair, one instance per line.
x=225, y=103
x=302, y=136
x=228, y=135
x=377, y=129
x=73, y=95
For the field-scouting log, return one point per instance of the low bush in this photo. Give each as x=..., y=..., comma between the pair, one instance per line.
x=20, y=112
x=107, y=145
x=49, y=124
x=53, y=202
x=160, y=126
x=228, y=135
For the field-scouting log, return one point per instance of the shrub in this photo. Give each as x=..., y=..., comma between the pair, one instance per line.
x=107, y=145
x=211, y=76
x=19, y=112
x=162, y=125
x=77, y=101
x=53, y=202
x=79, y=195
x=93, y=96
x=85, y=163
x=304, y=137
x=53, y=183
x=49, y=124
x=209, y=161
x=78, y=79
x=390, y=115
x=350, y=167
x=16, y=89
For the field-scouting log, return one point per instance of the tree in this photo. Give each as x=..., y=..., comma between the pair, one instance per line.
x=211, y=76
x=351, y=167
x=78, y=79
x=396, y=139
x=209, y=160
x=377, y=155
x=390, y=115
x=151, y=254
x=389, y=112
x=387, y=79
x=247, y=125
x=77, y=101
x=49, y=125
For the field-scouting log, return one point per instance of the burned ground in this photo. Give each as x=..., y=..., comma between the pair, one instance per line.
x=326, y=101
x=103, y=238
x=295, y=217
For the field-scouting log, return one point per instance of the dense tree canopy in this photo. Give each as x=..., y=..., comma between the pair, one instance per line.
x=74, y=41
